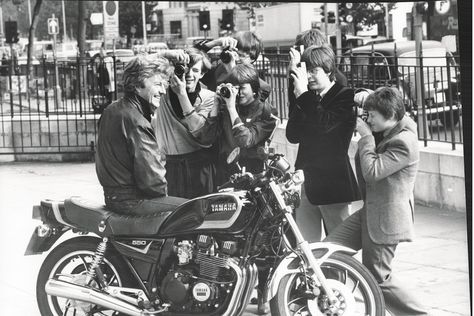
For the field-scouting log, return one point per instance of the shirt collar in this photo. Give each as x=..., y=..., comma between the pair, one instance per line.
x=323, y=93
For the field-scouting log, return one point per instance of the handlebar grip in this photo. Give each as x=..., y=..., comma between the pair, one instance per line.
x=225, y=185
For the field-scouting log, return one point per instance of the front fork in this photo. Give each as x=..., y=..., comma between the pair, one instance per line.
x=303, y=245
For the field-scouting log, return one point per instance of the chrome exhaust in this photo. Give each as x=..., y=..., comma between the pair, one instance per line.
x=81, y=293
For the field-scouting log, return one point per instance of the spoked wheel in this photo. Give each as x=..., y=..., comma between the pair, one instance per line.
x=69, y=262
x=355, y=288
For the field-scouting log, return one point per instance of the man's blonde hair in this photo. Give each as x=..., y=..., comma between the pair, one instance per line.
x=141, y=68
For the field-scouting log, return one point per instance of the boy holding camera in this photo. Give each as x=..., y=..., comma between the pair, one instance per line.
x=242, y=47
x=245, y=121
x=184, y=129
x=322, y=123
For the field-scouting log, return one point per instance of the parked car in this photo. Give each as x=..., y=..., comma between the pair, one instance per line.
x=156, y=46
x=122, y=55
x=352, y=41
x=394, y=64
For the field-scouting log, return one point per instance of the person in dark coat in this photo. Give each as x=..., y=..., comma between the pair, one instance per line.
x=322, y=123
x=127, y=160
x=386, y=173
x=245, y=122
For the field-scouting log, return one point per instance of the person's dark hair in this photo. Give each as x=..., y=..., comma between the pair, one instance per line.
x=248, y=42
x=388, y=101
x=320, y=56
x=309, y=38
x=195, y=55
x=141, y=68
x=245, y=73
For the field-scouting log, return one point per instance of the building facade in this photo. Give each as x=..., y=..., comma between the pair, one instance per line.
x=179, y=20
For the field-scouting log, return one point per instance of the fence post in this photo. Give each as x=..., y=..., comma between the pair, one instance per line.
x=46, y=96
x=450, y=98
x=79, y=84
x=10, y=78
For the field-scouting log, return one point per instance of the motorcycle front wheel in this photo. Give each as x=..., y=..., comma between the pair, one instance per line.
x=356, y=290
x=69, y=262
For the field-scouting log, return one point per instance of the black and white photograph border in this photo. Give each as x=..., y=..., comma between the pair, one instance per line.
x=48, y=133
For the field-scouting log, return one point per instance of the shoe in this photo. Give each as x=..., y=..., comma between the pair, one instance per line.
x=262, y=308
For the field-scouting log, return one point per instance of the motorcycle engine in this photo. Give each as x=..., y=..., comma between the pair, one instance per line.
x=200, y=279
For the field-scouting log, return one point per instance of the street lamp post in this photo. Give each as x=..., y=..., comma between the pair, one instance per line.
x=145, y=42
x=64, y=21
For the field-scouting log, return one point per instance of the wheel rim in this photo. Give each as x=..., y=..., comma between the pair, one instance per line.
x=342, y=278
x=74, y=265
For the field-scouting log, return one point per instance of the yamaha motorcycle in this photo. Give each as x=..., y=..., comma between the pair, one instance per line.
x=203, y=258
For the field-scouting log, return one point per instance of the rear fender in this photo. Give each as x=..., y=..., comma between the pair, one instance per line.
x=53, y=227
x=291, y=264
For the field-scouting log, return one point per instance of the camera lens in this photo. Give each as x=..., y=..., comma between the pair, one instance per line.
x=225, y=92
x=226, y=57
x=179, y=70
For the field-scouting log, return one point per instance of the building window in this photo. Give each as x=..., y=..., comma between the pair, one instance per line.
x=175, y=27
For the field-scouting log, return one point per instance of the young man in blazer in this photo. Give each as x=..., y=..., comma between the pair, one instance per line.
x=386, y=174
x=322, y=123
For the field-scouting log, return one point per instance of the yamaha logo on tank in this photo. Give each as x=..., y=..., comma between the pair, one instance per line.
x=223, y=207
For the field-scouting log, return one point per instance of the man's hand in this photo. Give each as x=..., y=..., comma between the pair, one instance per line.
x=230, y=101
x=178, y=85
x=178, y=55
x=295, y=58
x=363, y=128
x=300, y=78
x=224, y=42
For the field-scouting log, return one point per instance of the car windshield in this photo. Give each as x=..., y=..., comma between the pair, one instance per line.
x=366, y=70
x=435, y=63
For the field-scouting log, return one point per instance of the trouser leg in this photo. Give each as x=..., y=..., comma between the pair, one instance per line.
x=334, y=214
x=157, y=207
x=349, y=232
x=378, y=260
x=308, y=220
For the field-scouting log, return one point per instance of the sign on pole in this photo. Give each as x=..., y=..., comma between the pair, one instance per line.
x=53, y=26
x=111, y=21
x=97, y=18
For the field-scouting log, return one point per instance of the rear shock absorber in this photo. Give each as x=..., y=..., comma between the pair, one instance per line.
x=97, y=260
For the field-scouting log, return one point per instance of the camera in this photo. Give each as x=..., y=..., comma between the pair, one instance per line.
x=180, y=70
x=226, y=56
x=363, y=114
x=225, y=92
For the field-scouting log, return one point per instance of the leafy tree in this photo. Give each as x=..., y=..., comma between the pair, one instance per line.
x=130, y=15
x=251, y=6
x=369, y=14
x=31, y=34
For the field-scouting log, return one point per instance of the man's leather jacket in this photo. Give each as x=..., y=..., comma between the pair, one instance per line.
x=127, y=160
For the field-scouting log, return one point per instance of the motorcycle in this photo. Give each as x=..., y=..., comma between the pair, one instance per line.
x=203, y=258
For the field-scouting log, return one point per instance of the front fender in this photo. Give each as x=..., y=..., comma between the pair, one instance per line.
x=290, y=264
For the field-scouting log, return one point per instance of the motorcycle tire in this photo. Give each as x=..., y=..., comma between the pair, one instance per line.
x=345, y=275
x=73, y=257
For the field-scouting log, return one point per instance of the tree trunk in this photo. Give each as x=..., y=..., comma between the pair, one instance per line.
x=81, y=31
x=31, y=35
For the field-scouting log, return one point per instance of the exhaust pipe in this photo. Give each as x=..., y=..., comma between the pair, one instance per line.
x=80, y=293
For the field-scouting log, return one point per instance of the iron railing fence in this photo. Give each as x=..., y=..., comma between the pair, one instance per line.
x=439, y=115
x=56, y=107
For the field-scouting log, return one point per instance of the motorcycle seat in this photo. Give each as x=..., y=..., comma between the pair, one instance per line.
x=94, y=217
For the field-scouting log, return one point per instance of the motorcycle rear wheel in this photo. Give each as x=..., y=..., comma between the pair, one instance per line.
x=73, y=257
x=355, y=287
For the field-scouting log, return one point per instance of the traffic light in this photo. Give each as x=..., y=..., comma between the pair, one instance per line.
x=331, y=17
x=11, y=32
x=204, y=21
x=345, y=12
x=227, y=19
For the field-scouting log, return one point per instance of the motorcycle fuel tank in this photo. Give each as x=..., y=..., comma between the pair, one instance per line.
x=219, y=211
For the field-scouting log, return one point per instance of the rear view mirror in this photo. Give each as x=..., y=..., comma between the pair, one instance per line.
x=233, y=156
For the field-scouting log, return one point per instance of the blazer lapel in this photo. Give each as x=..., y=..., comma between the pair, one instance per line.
x=392, y=133
x=330, y=95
